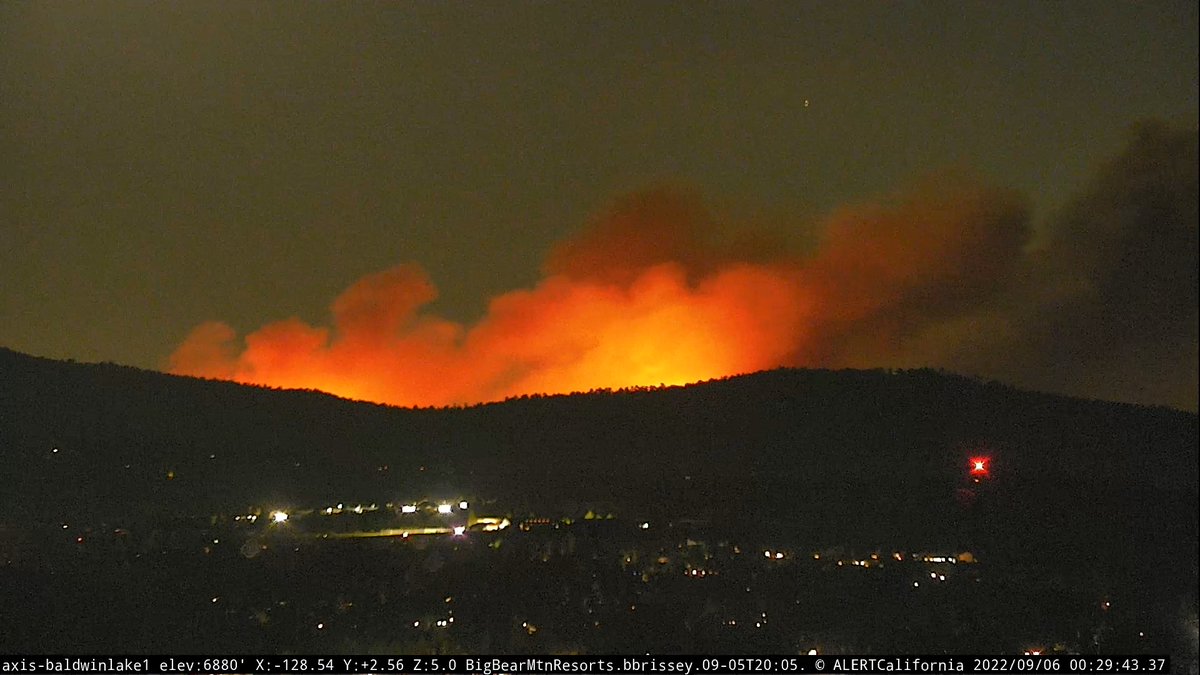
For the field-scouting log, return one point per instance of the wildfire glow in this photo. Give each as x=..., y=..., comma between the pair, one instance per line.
x=642, y=299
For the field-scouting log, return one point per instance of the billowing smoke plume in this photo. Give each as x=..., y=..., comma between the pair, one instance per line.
x=937, y=275
x=1108, y=307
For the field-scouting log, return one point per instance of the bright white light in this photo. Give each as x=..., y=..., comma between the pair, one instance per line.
x=358, y=508
x=445, y=508
x=279, y=516
x=766, y=554
x=779, y=556
x=645, y=526
x=459, y=530
x=462, y=505
x=408, y=508
x=320, y=626
x=812, y=652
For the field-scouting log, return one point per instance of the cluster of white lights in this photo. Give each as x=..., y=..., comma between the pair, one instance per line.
x=357, y=508
x=777, y=555
x=279, y=517
x=445, y=508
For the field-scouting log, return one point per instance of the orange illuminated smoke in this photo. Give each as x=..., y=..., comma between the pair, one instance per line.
x=645, y=297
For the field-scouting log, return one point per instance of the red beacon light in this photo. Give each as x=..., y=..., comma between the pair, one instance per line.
x=979, y=467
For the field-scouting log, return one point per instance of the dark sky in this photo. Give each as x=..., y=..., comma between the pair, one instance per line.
x=167, y=164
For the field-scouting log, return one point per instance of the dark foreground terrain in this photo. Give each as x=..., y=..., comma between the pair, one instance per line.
x=733, y=502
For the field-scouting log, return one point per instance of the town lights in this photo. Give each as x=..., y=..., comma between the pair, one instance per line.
x=408, y=508
x=445, y=508
x=278, y=517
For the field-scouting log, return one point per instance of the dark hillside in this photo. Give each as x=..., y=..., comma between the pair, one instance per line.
x=831, y=456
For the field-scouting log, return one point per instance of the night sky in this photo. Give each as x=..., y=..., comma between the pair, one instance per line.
x=603, y=193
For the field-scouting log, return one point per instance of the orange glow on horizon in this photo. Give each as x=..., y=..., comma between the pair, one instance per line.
x=559, y=337
x=640, y=299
